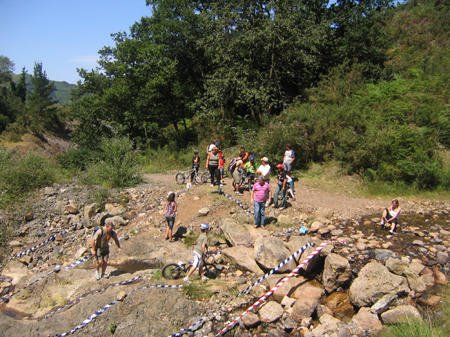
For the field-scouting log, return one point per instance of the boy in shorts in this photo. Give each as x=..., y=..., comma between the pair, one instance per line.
x=200, y=250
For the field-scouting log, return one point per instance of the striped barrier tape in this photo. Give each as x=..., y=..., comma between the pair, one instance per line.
x=106, y=307
x=298, y=252
x=95, y=292
x=32, y=249
x=271, y=291
x=56, y=269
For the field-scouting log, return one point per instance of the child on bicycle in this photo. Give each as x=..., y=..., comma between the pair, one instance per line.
x=200, y=250
x=195, y=164
x=171, y=208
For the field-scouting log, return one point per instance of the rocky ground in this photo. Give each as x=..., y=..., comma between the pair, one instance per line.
x=346, y=290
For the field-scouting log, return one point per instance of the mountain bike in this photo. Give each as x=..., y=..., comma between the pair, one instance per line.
x=205, y=176
x=181, y=177
x=173, y=271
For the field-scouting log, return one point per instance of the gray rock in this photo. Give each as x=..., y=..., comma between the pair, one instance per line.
x=235, y=233
x=270, y=252
x=116, y=221
x=250, y=320
x=203, y=211
x=336, y=272
x=442, y=257
x=367, y=320
x=303, y=308
x=383, y=303
x=400, y=314
x=242, y=258
x=373, y=282
x=383, y=254
x=270, y=312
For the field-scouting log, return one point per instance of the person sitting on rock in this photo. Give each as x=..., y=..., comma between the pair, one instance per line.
x=200, y=250
x=391, y=215
x=100, y=247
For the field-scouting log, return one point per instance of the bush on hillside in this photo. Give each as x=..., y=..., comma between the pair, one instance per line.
x=21, y=174
x=114, y=165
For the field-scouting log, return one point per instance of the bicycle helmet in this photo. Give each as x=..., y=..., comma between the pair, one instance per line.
x=217, y=143
x=196, y=151
x=252, y=157
x=204, y=226
x=280, y=166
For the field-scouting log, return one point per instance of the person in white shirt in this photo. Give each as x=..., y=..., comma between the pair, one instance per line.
x=391, y=215
x=264, y=169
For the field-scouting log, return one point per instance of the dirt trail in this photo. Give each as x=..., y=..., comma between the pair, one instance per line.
x=308, y=199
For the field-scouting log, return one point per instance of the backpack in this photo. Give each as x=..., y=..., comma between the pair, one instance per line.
x=232, y=165
x=95, y=231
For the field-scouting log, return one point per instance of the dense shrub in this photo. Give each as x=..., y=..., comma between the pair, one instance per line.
x=20, y=174
x=114, y=165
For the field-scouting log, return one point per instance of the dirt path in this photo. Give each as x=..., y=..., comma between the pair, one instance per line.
x=308, y=199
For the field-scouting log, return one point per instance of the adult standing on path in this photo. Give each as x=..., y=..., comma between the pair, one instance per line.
x=288, y=159
x=212, y=164
x=281, y=187
x=100, y=247
x=260, y=192
x=238, y=172
x=264, y=169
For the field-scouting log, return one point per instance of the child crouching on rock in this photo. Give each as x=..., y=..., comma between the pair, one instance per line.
x=200, y=250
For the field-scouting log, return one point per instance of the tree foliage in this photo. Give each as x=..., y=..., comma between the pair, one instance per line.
x=226, y=58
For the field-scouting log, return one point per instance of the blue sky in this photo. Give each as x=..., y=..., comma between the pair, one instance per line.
x=63, y=35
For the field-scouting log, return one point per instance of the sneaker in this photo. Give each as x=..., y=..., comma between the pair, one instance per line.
x=104, y=275
x=212, y=185
x=282, y=208
x=382, y=223
x=221, y=185
x=239, y=193
x=392, y=232
x=204, y=278
x=97, y=275
x=187, y=280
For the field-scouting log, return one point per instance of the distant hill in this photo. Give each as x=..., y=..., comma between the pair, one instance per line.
x=61, y=92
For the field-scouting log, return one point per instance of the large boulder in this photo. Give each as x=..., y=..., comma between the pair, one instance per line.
x=297, y=242
x=367, y=320
x=271, y=312
x=373, y=282
x=236, y=234
x=400, y=314
x=288, y=286
x=303, y=308
x=270, y=252
x=336, y=272
x=242, y=259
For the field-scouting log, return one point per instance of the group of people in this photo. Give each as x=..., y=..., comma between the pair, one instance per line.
x=260, y=196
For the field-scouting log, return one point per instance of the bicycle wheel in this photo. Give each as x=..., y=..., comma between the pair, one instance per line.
x=171, y=271
x=250, y=185
x=180, y=178
x=210, y=270
x=205, y=177
x=198, y=180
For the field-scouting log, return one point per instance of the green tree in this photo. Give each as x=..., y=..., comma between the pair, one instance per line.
x=265, y=54
x=21, y=87
x=6, y=69
x=42, y=108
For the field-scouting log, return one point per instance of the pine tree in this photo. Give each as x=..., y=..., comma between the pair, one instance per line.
x=42, y=106
x=21, y=87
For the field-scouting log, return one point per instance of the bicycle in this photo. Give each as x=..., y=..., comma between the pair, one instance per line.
x=172, y=271
x=182, y=176
x=205, y=176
